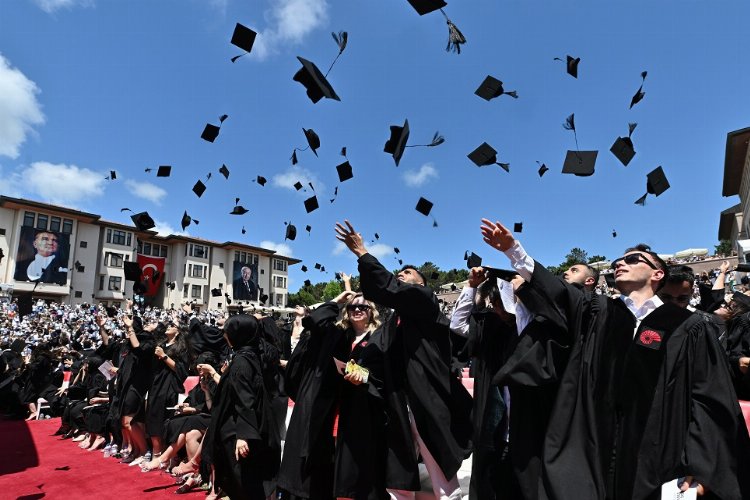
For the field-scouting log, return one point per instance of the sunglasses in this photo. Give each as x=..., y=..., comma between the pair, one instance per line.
x=632, y=259
x=358, y=307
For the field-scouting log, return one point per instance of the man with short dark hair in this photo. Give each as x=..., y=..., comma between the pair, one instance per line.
x=582, y=274
x=646, y=396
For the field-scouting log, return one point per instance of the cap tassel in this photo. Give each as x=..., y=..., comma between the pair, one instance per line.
x=341, y=40
x=335, y=194
x=504, y=166
x=455, y=37
x=570, y=124
x=512, y=93
x=437, y=140
x=640, y=94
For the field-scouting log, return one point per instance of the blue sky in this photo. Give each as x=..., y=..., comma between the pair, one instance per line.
x=88, y=86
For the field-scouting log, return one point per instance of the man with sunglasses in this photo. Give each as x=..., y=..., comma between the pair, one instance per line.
x=645, y=397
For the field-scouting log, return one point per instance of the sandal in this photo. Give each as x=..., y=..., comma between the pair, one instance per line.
x=189, y=467
x=192, y=481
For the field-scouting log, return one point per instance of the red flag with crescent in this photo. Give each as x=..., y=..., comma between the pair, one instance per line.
x=153, y=273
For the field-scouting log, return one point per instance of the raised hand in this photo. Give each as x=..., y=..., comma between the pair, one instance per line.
x=351, y=238
x=496, y=235
x=476, y=277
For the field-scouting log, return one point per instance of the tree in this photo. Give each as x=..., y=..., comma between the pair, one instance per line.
x=576, y=256
x=724, y=247
x=596, y=258
x=301, y=298
x=331, y=291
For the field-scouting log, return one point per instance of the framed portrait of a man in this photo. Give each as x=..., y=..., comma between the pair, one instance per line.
x=245, y=282
x=42, y=256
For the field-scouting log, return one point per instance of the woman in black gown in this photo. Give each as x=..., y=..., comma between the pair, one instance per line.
x=242, y=442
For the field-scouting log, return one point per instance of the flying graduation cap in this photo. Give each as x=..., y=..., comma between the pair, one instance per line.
x=311, y=204
x=199, y=188
x=455, y=37
x=244, y=38
x=261, y=180
x=623, y=146
x=164, y=171
x=542, y=169
x=571, y=65
x=291, y=231
x=486, y=155
x=112, y=175
x=344, y=171
x=143, y=221
x=187, y=220
x=396, y=144
x=491, y=87
x=211, y=132
x=580, y=163
x=424, y=206
x=639, y=93
x=308, y=228
x=314, y=80
x=472, y=260
x=239, y=210
x=656, y=184
x=518, y=227
x=244, y=230
x=224, y=171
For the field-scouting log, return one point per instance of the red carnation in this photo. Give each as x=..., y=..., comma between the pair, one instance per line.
x=649, y=336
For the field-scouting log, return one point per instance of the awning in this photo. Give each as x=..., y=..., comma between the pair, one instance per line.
x=743, y=246
x=691, y=252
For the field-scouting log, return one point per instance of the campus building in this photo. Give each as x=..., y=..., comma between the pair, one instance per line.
x=734, y=222
x=74, y=257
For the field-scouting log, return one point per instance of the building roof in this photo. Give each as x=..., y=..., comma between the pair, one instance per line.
x=726, y=219
x=734, y=160
x=20, y=203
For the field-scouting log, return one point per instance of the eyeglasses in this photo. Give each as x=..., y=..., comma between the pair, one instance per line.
x=358, y=307
x=632, y=259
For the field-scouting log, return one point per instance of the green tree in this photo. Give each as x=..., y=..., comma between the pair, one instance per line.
x=724, y=248
x=331, y=290
x=575, y=256
x=596, y=258
x=301, y=298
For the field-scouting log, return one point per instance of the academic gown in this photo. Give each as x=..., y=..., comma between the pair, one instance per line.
x=636, y=411
x=416, y=345
x=134, y=375
x=242, y=411
x=166, y=384
x=739, y=347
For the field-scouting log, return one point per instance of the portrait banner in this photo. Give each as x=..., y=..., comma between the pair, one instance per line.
x=42, y=256
x=245, y=281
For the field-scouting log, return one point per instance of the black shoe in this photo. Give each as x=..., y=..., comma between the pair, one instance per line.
x=61, y=431
x=69, y=434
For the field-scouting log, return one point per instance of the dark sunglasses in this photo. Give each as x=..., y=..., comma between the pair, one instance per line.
x=632, y=259
x=358, y=307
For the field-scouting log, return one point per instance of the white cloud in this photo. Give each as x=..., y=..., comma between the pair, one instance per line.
x=146, y=190
x=19, y=108
x=416, y=178
x=380, y=251
x=50, y=6
x=339, y=248
x=165, y=228
x=290, y=177
x=289, y=22
x=280, y=248
x=60, y=183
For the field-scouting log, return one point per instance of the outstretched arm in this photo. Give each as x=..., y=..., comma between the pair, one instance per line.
x=501, y=238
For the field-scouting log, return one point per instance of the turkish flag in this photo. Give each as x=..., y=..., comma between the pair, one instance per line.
x=153, y=273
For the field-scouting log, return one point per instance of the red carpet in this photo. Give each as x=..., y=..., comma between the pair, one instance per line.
x=34, y=465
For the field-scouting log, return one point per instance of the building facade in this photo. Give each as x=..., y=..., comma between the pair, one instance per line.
x=734, y=222
x=75, y=257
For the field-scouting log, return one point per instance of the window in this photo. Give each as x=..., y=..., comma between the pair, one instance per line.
x=198, y=271
x=279, y=265
x=115, y=282
x=28, y=219
x=54, y=224
x=113, y=259
x=67, y=227
x=118, y=237
x=245, y=257
x=218, y=306
x=146, y=249
x=78, y=295
x=163, y=251
x=195, y=291
x=185, y=288
x=279, y=299
x=198, y=251
x=84, y=244
x=41, y=221
x=109, y=235
x=101, y=282
x=279, y=281
x=221, y=265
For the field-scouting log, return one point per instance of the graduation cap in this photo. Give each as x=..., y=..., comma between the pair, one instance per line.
x=208, y=176
x=261, y=180
x=143, y=221
x=639, y=93
x=486, y=155
x=239, y=210
x=580, y=163
x=313, y=141
x=623, y=146
x=435, y=275
x=308, y=228
x=572, y=65
x=614, y=233
x=187, y=220
x=244, y=38
x=112, y=175
x=455, y=37
x=243, y=230
x=291, y=231
x=164, y=171
x=308, y=283
x=518, y=227
x=345, y=171
x=311, y=204
x=473, y=260
x=147, y=170
x=337, y=276
x=742, y=268
x=224, y=171
x=656, y=184
x=133, y=271
x=317, y=266
x=215, y=292
x=229, y=299
x=303, y=269
x=211, y=132
x=426, y=6
x=263, y=298
x=542, y=169
x=298, y=185
x=199, y=188
x=294, y=157
x=396, y=144
x=322, y=269
x=491, y=87
x=314, y=81
x=424, y=207
x=503, y=274
x=126, y=209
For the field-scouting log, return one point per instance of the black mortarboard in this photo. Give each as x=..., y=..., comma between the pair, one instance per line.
x=518, y=227
x=424, y=206
x=211, y=132
x=132, y=271
x=199, y=188
x=614, y=233
x=311, y=204
x=491, y=87
x=322, y=269
x=186, y=220
x=215, y=292
x=303, y=269
x=308, y=228
x=426, y=6
x=435, y=275
x=542, y=169
x=623, y=146
x=308, y=283
x=397, y=142
x=244, y=38
x=742, y=268
x=18, y=345
x=298, y=185
x=312, y=139
x=641, y=201
x=263, y=298
x=503, y=274
x=580, y=163
x=345, y=171
x=474, y=260
x=244, y=230
x=291, y=232
x=164, y=171
x=742, y=299
x=639, y=93
x=656, y=182
x=316, y=84
x=25, y=304
x=317, y=265
x=143, y=221
x=337, y=276
x=224, y=171
x=261, y=180
x=572, y=65
x=112, y=174
x=239, y=210
x=486, y=155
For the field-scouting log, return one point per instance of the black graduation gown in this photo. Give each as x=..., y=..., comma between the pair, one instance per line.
x=243, y=411
x=416, y=344
x=134, y=375
x=165, y=386
x=738, y=346
x=35, y=378
x=636, y=411
x=181, y=424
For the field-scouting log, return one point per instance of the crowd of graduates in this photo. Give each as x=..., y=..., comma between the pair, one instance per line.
x=577, y=393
